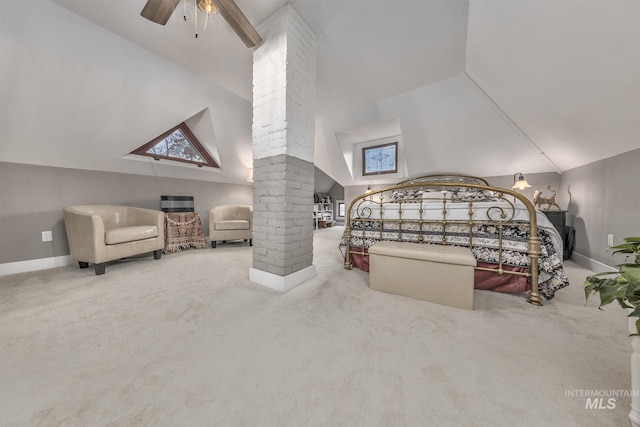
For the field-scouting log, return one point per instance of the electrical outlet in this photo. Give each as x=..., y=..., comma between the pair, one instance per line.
x=47, y=236
x=610, y=240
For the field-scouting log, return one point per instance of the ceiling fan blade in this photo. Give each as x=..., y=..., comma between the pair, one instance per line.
x=159, y=11
x=240, y=24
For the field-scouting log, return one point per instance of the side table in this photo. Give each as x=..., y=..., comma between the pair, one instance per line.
x=568, y=234
x=183, y=230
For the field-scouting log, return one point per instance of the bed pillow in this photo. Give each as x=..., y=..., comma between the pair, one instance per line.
x=407, y=196
x=465, y=194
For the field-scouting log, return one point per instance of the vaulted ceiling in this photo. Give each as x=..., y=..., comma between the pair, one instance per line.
x=485, y=87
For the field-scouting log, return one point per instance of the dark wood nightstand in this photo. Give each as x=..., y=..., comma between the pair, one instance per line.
x=568, y=234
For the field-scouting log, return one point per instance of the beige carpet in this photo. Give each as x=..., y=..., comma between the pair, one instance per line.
x=188, y=341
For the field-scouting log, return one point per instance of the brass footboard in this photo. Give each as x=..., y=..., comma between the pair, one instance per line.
x=445, y=209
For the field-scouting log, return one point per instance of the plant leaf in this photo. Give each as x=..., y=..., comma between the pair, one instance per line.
x=610, y=293
x=631, y=272
x=623, y=303
x=623, y=285
x=602, y=273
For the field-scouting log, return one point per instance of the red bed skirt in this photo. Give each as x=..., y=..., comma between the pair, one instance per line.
x=487, y=280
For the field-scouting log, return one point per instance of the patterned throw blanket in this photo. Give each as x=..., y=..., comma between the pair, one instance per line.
x=486, y=245
x=183, y=230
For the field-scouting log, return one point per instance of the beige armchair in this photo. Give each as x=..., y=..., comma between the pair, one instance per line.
x=230, y=222
x=101, y=233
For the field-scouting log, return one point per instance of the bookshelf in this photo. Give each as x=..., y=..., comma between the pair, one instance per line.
x=323, y=215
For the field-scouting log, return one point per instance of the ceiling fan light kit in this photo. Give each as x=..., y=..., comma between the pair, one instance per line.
x=159, y=11
x=205, y=6
x=208, y=7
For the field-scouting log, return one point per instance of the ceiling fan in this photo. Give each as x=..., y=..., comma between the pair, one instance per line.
x=159, y=11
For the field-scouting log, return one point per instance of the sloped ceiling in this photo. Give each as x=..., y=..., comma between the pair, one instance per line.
x=567, y=72
x=446, y=126
x=368, y=49
x=75, y=95
x=322, y=182
x=485, y=87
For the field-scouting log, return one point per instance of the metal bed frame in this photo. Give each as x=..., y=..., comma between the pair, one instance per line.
x=444, y=189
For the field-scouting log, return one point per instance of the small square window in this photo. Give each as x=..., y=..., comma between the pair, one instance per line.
x=380, y=159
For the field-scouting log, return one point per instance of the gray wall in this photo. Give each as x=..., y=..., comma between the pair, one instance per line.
x=337, y=193
x=32, y=198
x=604, y=198
x=538, y=181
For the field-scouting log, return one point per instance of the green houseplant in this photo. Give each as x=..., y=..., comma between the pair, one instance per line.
x=622, y=285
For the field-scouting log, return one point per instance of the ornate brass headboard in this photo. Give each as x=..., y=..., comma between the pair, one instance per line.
x=446, y=177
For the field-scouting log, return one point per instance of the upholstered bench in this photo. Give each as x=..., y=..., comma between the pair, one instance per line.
x=436, y=273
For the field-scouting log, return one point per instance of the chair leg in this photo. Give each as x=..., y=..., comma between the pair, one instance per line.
x=157, y=254
x=100, y=268
x=214, y=244
x=250, y=242
x=83, y=264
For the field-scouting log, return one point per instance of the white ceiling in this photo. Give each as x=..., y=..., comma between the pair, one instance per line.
x=364, y=45
x=485, y=87
x=568, y=73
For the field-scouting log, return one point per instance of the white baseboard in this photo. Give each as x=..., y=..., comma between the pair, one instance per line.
x=282, y=283
x=591, y=264
x=34, y=264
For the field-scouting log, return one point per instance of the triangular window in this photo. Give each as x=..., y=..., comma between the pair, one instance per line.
x=178, y=144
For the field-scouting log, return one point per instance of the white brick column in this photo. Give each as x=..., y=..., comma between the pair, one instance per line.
x=284, y=81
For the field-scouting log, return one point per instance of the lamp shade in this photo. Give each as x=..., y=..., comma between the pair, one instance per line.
x=519, y=182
